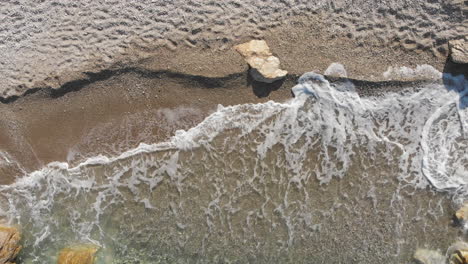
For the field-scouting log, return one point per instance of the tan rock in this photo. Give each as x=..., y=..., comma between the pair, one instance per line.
x=459, y=257
x=9, y=244
x=426, y=256
x=462, y=213
x=458, y=253
x=265, y=66
x=459, y=50
x=258, y=48
x=81, y=254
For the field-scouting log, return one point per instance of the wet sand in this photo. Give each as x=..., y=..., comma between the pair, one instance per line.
x=74, y=120
x=103, y=101
x=130, y=107
x=55, y=123
x=39, y=129
x=368, y=216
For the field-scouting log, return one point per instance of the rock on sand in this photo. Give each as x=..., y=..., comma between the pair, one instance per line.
x=459, y=50
x=265, y=66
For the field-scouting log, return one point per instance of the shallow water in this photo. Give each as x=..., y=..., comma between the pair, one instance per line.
x=325, y=177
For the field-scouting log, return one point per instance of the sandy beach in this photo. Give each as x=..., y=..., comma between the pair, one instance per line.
x=126, y=58
x=48, y=44
x=196, y=77
x=98, y=78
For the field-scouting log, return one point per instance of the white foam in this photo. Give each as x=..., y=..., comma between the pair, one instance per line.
x=318, y=134
x=420, y=72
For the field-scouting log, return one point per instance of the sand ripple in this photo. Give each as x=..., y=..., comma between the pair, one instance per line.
x=47, y=43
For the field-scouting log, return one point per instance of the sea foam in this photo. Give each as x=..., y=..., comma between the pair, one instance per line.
x=249, y=167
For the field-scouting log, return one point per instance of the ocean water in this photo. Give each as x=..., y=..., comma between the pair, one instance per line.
x=326, y=177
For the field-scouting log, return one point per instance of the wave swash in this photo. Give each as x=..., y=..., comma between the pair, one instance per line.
x=326, y=176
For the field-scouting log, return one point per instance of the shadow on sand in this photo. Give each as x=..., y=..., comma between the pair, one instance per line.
x=262, y=89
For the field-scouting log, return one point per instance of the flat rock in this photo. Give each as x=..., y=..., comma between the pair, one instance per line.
x=9, y=244
x=80, y=254
x=264, y=66
x=254, y=47
x=426, y=256
x=459, y=50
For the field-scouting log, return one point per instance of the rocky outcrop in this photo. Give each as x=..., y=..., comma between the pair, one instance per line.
x=81, y=254
x=264, y=66
x=459, y=50
x=9, y=244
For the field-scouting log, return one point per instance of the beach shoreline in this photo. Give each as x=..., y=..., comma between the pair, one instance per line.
x=91, y=79
x=45, y=123
x=113, y=114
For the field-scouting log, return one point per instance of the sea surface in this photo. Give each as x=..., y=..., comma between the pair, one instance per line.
x=326, y=177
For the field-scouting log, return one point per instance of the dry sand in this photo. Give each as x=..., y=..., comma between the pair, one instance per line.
x=48, y=43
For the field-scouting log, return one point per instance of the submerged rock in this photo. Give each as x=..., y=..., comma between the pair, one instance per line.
x=458, y=253
x=459, y=50
x=265, y=66
x=9, y=244
x=462, y=213
x=459, y=257
x=426, y=256
x=81, y=254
